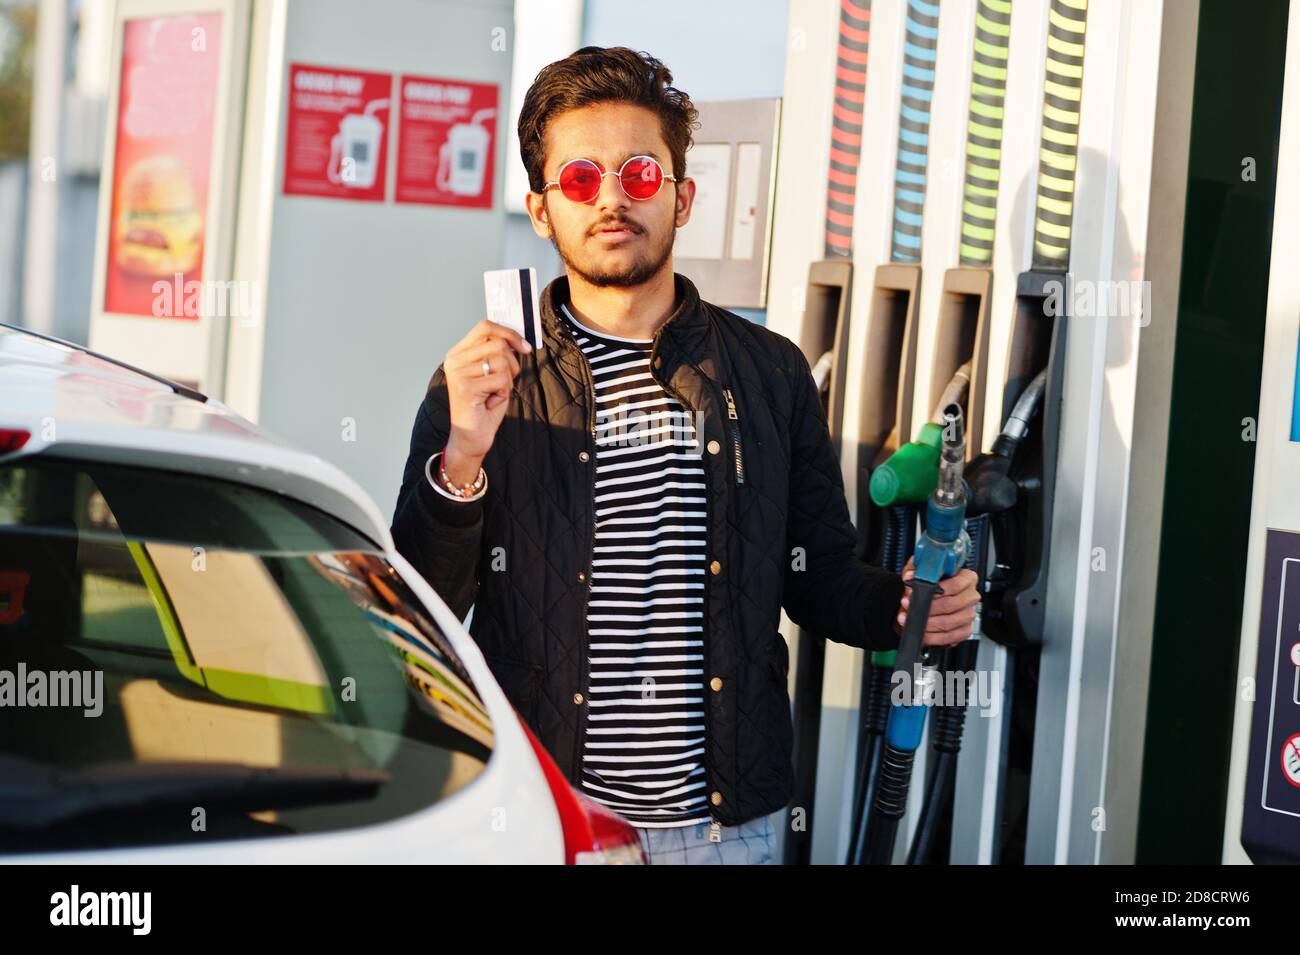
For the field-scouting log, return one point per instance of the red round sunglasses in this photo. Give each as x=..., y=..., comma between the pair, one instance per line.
x=641, y=178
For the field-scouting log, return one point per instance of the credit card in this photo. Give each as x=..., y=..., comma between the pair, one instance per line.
x=511, y=296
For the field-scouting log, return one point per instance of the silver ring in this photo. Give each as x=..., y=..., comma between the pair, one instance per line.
x=487, y=368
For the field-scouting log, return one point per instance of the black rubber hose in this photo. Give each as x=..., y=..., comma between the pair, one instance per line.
x=889, y=805
x=876, y=707
x=898, y=539
x=890, y=800
x=942, y=775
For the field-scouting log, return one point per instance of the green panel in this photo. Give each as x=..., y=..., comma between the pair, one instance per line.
x=1227, y=240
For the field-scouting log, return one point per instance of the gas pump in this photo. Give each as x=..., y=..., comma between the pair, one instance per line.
x=900, y=356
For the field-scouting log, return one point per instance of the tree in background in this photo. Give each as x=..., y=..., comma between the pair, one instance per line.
x=17, y=42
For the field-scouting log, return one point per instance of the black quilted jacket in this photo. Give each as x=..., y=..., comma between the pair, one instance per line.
x=779, y=536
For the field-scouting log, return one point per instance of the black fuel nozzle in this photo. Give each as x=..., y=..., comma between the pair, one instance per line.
x=992, y=489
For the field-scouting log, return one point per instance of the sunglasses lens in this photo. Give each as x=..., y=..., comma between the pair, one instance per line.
x=580, y=180
x=642, y=177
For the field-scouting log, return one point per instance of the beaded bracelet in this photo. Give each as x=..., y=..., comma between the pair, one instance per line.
x=467, y=492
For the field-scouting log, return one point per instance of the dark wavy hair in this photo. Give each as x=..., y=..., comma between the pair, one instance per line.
x=597, y=74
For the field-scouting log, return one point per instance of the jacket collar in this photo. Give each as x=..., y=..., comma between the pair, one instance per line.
x=680, y=337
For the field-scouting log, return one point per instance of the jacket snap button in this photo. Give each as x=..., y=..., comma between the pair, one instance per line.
x=715, y=797
x=716, y=683
x=584, y=456
x=715, y=568
x=577, y=698
x=714, y=447
x=582, y=575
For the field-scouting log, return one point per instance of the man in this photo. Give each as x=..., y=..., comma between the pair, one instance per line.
x=629, y=508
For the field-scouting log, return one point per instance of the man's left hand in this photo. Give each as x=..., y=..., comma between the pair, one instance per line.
x=952, y=613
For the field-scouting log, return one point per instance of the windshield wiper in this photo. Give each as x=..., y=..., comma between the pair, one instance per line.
x=34, y=796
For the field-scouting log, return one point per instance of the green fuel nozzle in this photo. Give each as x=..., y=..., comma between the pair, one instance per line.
x=912, y=472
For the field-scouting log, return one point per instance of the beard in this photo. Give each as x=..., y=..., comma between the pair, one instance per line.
x=642, y=267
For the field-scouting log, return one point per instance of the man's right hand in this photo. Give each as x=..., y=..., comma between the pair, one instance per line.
x=478, y=402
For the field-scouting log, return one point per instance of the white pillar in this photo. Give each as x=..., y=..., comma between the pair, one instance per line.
x=39, y=265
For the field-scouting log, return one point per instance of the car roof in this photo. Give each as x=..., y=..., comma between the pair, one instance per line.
x=78, y=404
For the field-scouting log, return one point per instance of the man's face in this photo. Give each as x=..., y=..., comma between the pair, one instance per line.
x=642, y=241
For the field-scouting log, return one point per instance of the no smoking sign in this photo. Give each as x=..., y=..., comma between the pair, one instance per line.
x=1291, y=759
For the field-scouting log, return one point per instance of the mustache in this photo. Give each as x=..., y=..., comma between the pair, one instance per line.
x=616, y=224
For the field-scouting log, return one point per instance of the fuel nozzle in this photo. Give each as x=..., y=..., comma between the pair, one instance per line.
x=910, y=473
x=952, y=456
x=942, y=547
x=992, y=488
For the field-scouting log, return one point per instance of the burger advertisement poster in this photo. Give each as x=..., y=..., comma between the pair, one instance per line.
x=162, y=162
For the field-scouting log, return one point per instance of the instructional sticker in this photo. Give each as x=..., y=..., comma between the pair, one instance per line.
x=1291, y=759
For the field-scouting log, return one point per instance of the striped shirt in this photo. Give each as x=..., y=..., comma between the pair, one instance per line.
x=643, y=755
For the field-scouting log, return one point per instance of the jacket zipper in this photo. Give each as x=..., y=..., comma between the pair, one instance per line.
x=734, y=424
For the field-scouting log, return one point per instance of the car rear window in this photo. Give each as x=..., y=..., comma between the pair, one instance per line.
x=185, y=659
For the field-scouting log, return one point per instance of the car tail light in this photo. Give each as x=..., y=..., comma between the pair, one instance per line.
x=12, y=439
x=593, y=835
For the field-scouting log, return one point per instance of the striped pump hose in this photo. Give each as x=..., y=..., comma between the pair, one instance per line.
x=919, y=49
x=846, y=125
x=988, y=94
x=1059, y=151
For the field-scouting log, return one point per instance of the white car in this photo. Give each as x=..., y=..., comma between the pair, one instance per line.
x=210, y=651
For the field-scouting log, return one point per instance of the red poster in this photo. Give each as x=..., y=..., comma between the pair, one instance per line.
x=162, y=161
x=337, y=140
x=445, y=142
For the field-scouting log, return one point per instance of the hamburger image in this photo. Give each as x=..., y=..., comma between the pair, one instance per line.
x=159, y=228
